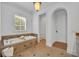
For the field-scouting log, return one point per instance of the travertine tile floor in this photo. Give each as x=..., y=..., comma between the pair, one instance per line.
x=43, y=51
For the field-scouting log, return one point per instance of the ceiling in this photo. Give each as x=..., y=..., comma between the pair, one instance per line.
x=30, y=6
x=26, y=5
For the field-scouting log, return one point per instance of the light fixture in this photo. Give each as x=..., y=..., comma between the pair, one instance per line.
x=37, y=6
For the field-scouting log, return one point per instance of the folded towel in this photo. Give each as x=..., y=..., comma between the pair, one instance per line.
x=7, y=52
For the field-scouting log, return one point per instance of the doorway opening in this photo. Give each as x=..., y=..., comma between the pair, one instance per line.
x=42, y=26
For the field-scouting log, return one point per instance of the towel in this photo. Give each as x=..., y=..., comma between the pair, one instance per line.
x=7, y=52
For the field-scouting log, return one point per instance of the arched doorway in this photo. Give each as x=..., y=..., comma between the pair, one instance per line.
x=60, y=18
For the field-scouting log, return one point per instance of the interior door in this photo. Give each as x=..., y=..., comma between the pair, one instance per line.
x=42, y=26
x=61, y=25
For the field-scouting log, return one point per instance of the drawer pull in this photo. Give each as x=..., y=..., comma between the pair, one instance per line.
x=24, y=45
x=33, y=54
x=48, y=54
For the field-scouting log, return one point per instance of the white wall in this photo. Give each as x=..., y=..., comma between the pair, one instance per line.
x=0, y=19
x=72, y=24
x=8, y=12
x=36, y=23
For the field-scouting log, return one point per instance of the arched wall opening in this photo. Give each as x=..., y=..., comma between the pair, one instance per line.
x=60, y=21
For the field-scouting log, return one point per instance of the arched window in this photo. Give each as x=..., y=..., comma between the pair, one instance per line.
x=20, y=23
